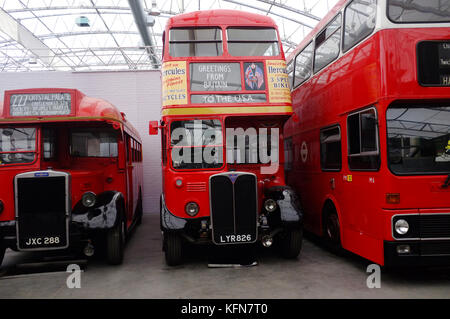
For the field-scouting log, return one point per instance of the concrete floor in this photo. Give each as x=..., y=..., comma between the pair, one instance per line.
x=316, y=274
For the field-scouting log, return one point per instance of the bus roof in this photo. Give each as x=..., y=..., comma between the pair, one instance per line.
x=83, y=108
x=322, y=23
x=219, y=17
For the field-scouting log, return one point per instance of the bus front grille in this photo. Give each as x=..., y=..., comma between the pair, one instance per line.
x=41, y=211
x=435, y=226
x=233, y=198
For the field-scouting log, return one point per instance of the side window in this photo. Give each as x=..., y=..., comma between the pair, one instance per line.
x=363, y=146
x=328, y=44
x=290, y=72
x=359, y=21
x=303, y=65
x=330, y=148
x=164, y=43
x=288, y=154
x=163, y=147
x=49, y=143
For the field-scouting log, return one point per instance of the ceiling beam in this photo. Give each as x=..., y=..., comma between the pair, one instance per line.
x=275, y=14
x=283, y=6
x=141, y=24
x=25, y=38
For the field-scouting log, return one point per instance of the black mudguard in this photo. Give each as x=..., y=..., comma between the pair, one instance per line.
x=289, y=207
x=169, y=222
x=105, y=214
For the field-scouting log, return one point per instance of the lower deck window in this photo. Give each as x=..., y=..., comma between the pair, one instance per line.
x=330, y=148
x=363, y=148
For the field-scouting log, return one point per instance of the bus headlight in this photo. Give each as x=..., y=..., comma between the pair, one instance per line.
x=191, y=208
x=270, y=205
x=88, y=199
x=401, y=226
x=2, y=206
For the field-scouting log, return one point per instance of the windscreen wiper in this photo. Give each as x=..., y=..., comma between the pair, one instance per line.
x=447, y=182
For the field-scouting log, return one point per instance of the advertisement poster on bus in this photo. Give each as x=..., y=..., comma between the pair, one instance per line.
x=174, y=83
x=278, y=82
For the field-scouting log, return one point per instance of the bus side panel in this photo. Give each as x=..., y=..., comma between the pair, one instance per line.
x=351, y=83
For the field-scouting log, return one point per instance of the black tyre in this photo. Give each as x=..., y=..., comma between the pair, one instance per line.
x=173, y=249
x=115, y=243
x=291, y=243
x=2, y=252
x=139, y=210
x=332, y=231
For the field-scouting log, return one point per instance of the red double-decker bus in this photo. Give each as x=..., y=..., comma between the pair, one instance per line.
x=70, y=171
x=225, y=101
x=370, y=154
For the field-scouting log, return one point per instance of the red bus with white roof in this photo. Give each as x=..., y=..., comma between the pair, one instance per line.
x=225, y=99
x=370, y=154
x=70, y=171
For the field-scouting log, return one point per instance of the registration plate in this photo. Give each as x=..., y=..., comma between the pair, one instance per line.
x=231, y=239
x=445, y=79
x=38, y=242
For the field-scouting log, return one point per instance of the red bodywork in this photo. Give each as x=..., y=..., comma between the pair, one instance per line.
x=195, y=182
x=379, y=70
x=96, y=175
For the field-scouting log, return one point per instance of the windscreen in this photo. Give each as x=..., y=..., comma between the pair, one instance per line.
x=252, y=42
x=419, y=139
x=419, y=11
x=196, y=144
x=17, y=145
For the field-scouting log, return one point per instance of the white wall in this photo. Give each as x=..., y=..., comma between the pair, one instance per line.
x=137, y=93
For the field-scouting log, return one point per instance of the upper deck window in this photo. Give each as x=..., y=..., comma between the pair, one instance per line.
x=419, y=11
x=252, y=42
x=303, y=65
x=359, y=21
x=327, y=44
x=189, y=42
x=17, y=145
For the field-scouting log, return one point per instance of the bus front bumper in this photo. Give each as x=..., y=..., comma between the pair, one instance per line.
x=417, y=253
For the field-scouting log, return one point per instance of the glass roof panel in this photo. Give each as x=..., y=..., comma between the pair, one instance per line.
x=83, y=35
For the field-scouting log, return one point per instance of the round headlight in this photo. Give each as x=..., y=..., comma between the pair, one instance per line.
x=2, y=206
x=401, y=226
x=191, y=209
x=270, y=205
x=88, y=199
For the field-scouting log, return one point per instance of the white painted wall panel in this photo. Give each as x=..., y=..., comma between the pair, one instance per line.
x=137, y=93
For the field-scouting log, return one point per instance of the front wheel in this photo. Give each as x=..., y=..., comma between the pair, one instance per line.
x=2, y=252
x=173, y=249
x=115, y=243
x=291, y=243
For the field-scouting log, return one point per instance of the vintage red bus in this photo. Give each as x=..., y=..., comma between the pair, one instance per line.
x=370, y=154
x=224, y=85
x=70, y=171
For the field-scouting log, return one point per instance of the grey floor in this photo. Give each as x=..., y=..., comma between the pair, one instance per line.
x=316, y=274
